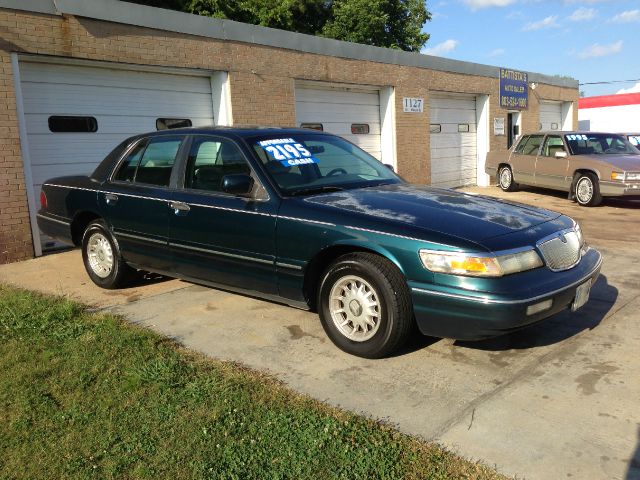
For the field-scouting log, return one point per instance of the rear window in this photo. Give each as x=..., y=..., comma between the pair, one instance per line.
x=151, y=162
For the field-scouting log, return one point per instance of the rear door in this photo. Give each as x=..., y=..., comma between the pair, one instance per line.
x=136, y=201
x=551, y=171
x=524, y=159
x=218, y=237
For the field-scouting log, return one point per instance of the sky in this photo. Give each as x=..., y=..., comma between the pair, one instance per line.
x=589, y=40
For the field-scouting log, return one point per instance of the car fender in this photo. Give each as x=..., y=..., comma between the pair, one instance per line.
x=360, y=245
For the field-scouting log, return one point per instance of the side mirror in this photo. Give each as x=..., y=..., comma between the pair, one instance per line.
x=390, y=167
x=237, y=184
x=561, y=155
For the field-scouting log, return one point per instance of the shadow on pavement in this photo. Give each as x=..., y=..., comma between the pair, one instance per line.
x=557, y=328
x=633, y=473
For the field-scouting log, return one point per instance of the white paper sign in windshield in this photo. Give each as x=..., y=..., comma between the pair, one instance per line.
x=287, y=151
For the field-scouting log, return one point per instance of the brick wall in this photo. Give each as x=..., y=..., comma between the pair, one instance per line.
x=262, y=81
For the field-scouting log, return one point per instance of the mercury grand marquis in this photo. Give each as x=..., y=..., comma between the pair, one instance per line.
x=308, y=219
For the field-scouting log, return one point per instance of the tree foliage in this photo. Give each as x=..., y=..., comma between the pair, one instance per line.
x=383, y=23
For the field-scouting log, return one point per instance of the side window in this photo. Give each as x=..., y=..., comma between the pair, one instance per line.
x=533, y=145
x=157, y=161
x=210, y=159
x=127, y=170
x=522, y=144
x=552, y=145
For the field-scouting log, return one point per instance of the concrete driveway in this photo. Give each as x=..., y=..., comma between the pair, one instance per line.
x=557, y=400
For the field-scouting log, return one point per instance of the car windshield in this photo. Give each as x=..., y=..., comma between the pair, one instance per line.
x=634, y=139
x=302, y=163
x=599, y=144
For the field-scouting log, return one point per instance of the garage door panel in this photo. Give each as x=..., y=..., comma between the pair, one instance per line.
x=104, y=77
x=69, y=99
x=454, y=180
x=339, y=112
x=46, y=172
x=440, y=140
x=453, y=116
x=344, y=128
x=84, y=146
x=38, y=124
x=453, y=152
x=468, y=151
x=452, y=103
x=336, y=96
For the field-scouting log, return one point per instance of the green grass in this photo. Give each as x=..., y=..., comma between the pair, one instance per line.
x=87, y=395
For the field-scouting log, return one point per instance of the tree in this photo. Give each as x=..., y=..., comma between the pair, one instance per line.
x=383, y=23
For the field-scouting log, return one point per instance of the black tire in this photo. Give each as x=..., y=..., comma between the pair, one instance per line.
x=390, y=293
x=505, y=179
x=120, y=273
x=586, y=189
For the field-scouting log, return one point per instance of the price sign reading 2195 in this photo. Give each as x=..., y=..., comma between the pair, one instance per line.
x=413, y=105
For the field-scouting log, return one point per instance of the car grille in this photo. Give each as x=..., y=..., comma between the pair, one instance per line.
x=559, y=254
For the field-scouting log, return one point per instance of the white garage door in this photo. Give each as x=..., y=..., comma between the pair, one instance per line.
x=550, y=116
x=351, y=113
x=115, y=103
x=453, y=140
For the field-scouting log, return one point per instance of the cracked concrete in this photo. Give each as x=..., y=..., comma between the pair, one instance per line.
x=557, y=400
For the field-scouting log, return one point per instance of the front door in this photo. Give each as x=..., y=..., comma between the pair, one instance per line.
x=218, y=237
x=551, y=171
x=136, y=199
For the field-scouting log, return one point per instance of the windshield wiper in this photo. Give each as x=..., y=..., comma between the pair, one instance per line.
x=311, y=190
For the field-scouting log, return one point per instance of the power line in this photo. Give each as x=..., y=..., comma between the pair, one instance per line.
x=610, y=82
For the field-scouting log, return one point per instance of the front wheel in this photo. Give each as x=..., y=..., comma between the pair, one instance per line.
x=364, y=305
x=587, y=190
x=102, y=258
x=505, y=179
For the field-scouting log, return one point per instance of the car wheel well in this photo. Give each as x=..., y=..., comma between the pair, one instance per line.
x=319, y=264
x=585, y=170
x=79, y=225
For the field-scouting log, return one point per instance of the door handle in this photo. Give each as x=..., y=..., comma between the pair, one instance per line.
x=179, y=207
x=111, y=199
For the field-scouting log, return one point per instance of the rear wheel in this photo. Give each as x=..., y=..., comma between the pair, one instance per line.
x=505, y=179
x=587, y=190
x=102, y=258
x=365, y=306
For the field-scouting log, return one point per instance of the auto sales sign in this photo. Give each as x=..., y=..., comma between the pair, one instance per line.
x=514, y=89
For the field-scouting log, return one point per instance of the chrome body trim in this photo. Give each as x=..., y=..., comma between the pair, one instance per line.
x=140, y=237
x=47, y=217
x=222, y=254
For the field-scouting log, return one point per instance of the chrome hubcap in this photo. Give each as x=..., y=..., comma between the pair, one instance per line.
x=100, y=255
x=505, y=178
x=584, y=190
x=355, y=308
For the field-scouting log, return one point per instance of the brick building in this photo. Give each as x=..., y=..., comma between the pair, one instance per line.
x=76, y=77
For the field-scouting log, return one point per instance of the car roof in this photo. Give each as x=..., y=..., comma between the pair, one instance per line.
x=244, y=131
x=573, y=132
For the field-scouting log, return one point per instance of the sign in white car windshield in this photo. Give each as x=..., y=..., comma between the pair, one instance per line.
x=287, y=151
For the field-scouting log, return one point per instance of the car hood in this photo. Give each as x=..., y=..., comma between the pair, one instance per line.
x=471, y=217
x=628, y=163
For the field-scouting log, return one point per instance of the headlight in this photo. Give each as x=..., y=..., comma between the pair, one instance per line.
x=633, y=177
x=617, y=176
x=460, y=263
